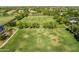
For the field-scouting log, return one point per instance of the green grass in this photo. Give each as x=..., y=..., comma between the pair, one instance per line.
x=38, y=19
x=42, y=21
x=5, y=19
x=41, y=40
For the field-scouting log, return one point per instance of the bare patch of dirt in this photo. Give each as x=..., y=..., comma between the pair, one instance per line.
x=54, y=40
x=1, y=42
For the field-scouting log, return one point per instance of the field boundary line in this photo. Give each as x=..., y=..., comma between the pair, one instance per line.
x=8, y=39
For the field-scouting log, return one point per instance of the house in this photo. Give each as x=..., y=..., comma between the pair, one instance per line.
x=73, y=20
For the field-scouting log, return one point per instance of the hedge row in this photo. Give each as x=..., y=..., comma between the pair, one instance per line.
x=21, y=24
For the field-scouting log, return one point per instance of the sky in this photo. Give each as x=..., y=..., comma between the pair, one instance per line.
x=39, y=2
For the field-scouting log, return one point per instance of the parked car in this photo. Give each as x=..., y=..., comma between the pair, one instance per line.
x=1, y=28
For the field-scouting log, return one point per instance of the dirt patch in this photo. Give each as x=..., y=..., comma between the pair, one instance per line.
x=54, y=40
x=1, y=42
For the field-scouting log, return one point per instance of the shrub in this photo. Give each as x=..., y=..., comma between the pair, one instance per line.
x=26, y=25
x=35, y=25
x=19, y=24
x=30, y=24
x=19, y=17
x=22, y=24
x=3, y=37
x=49, y=25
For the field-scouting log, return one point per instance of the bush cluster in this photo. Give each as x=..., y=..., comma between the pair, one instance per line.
x=23, y=24
x=49, y=25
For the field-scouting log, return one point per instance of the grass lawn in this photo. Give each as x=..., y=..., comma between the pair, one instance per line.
x=5, y=19
x=42, y=40
x=38, y=19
